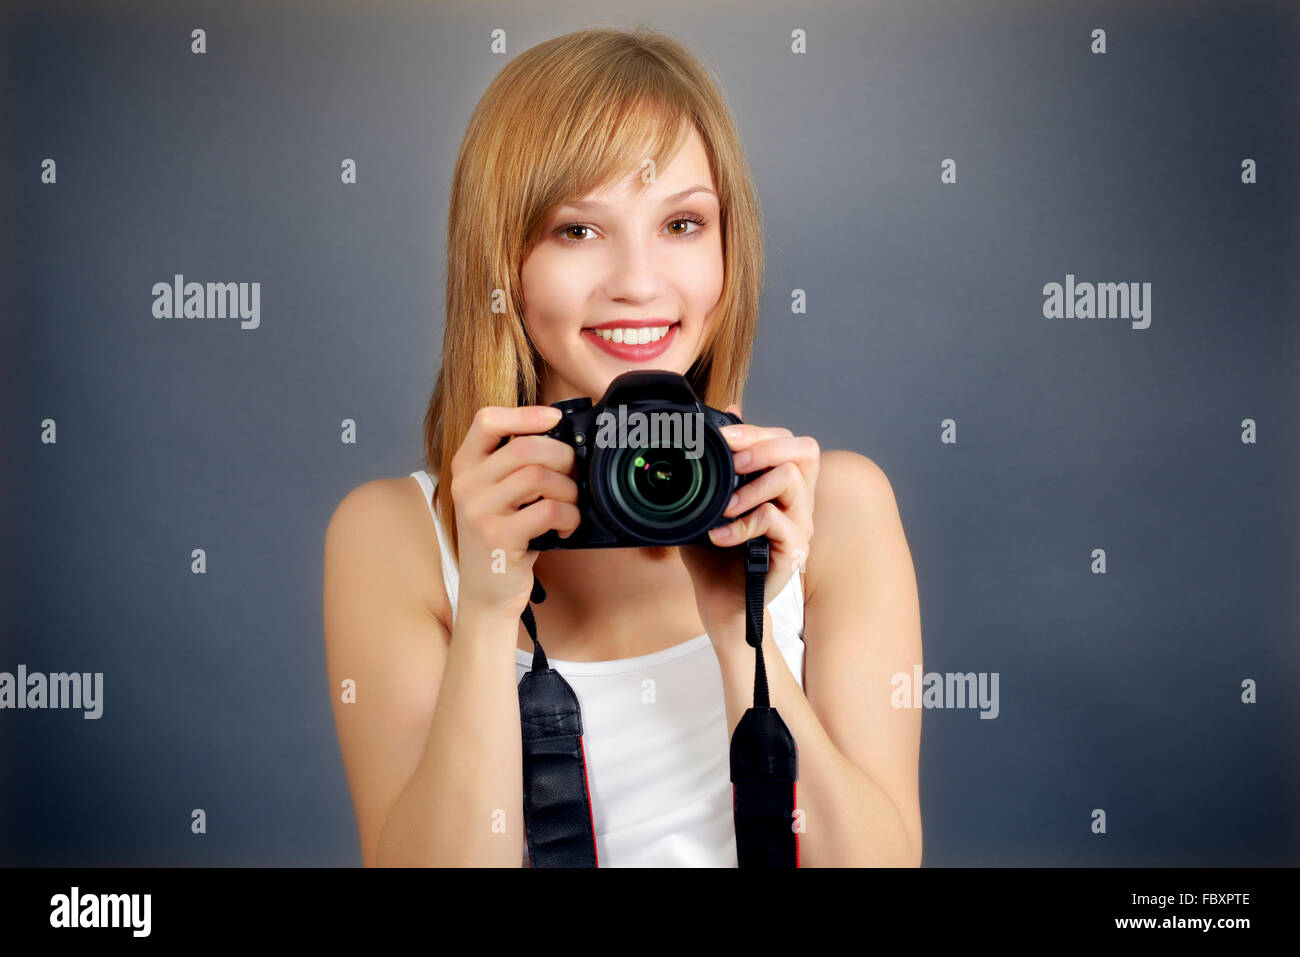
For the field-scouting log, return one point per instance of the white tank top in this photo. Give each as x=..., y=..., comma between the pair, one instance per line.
x=655, y=737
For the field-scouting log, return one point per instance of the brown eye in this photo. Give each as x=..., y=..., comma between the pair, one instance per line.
x=699, y=224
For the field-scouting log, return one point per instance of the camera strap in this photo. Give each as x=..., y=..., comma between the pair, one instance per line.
x=558, y=820
x=764, y=758
x=557, y=807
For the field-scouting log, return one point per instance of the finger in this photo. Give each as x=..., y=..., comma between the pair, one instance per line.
x=523, y=450
x=783, y=484
x=543, y=516
x=530, y=482
x=800, y=449
x=492, y=423
x=767, y=520
x=743, y=436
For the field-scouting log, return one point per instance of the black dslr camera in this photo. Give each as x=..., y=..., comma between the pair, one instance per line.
x=652, y=467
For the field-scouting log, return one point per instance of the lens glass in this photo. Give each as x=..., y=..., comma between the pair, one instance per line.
x=662, y=480
x=662, y=487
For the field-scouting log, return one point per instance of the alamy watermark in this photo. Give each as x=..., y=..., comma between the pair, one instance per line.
x=636, y=430
x=76, y=909
x=58, y=690
x=946, y=690
x=1103, y=300
x=214, y=300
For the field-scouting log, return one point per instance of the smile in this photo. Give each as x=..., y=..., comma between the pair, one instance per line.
x=634, y=343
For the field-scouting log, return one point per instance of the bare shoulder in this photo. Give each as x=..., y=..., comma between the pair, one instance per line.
x=852, y=497
x=862, y=628
x=385, y=650
x=387, y=522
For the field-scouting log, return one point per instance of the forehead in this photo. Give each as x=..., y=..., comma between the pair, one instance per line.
x=690, y=167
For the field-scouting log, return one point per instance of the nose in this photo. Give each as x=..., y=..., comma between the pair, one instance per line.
x=635, y=270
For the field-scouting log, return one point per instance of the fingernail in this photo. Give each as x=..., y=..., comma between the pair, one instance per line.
x=742, y=459
x=724, y=532
x=735, y=500
x=730, y=431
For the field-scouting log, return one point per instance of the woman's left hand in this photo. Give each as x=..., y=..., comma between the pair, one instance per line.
x=777, y=504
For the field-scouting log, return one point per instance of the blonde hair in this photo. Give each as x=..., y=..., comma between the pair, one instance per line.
x=561, y=120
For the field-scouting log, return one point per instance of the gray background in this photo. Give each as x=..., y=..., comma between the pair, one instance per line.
x=1118, y=691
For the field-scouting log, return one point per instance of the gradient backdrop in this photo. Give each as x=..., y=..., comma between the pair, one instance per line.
x=1120, y=691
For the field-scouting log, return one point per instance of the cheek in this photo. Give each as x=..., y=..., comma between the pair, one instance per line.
x=705, y=284
x=543, y=297
x=709, y=302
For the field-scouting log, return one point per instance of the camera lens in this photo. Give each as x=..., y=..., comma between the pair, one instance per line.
x=661, y=480
x=662, y=488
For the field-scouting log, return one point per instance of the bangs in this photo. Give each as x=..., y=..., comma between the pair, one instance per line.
x=620, y=138
x=625, y=116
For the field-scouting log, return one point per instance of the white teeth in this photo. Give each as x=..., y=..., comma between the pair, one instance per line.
x=639, y=336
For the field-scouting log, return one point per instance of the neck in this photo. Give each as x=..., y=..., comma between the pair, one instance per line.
x=600, y=577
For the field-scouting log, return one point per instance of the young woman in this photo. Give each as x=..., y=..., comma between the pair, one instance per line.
x=601, y=185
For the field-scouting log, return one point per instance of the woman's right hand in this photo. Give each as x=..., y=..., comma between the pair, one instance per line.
x=488, y=486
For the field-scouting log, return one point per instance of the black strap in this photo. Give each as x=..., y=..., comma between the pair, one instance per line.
x=764, y=767
x=557, y=808
x=764, y=758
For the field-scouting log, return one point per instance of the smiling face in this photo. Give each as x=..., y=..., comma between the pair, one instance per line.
x=630, y=265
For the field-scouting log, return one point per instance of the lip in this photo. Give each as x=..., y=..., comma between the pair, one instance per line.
x=632, y=323
x=633, y=353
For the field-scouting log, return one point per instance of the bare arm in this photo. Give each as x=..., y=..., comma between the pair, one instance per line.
x=463, y=805
x=432, y=743
x=428, y=768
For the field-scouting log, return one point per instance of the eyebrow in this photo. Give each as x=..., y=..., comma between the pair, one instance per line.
x=591, y=204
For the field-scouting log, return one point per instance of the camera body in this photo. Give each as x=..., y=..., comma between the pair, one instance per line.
x=651, y=466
